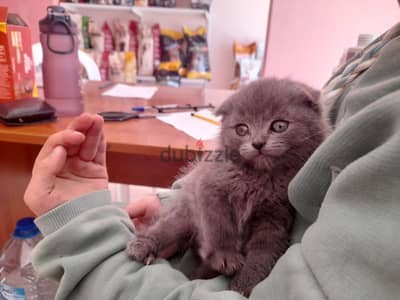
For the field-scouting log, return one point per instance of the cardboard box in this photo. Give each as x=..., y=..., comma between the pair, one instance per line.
x=17, y=77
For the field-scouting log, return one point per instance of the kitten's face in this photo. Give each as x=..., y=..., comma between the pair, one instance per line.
x=269, y=121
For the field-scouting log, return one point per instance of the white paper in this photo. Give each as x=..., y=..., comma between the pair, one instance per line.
x=192, y=126
x=129, y=91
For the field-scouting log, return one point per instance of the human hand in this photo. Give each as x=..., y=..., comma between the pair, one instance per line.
x=143, y=211
x=70, y=164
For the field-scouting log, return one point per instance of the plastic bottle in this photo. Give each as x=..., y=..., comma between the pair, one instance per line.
x=18, y=280
x=61, y=67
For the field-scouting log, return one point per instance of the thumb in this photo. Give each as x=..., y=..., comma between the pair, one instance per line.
x=49, y=167
x=43, y=178
x=136, y=209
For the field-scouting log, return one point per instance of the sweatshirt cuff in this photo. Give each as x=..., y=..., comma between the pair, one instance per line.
x=61, y=215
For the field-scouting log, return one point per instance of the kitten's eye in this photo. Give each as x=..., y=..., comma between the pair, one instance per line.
x=279, y=126
x=242, y=129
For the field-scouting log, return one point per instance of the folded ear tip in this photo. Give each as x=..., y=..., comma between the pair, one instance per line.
x=225, y=108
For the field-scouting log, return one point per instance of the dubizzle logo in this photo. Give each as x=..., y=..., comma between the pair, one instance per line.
x=200, y=144
x=188, y=155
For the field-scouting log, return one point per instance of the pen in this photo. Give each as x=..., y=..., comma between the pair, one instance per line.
x=163, y=108
x=141, y=108
x=123, y=116
x=205, y=119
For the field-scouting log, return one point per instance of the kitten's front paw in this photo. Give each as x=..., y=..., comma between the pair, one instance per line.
x=226, y=263
x=142, y=249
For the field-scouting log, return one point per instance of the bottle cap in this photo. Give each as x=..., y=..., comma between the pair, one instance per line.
x=25, y=229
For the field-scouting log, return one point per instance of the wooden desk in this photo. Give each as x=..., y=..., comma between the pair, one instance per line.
x=133, y=147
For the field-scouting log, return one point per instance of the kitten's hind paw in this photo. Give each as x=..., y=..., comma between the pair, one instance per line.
x=142, y=249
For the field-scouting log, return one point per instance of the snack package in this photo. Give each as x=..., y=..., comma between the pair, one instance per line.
x=197, y=62
x=247, y=66
x=96, y=37
x=85, y=32
x=121, y=34
x=109, y=44
x=104, y=66
x=146, y=51
x=141, y=2
x=201, y=4
x=130, y=67
x=155, y=29
x=163, y=3
x=116, y=62
x=167, y=74
x=128, y=2
x=133, y=36
x=172, y=55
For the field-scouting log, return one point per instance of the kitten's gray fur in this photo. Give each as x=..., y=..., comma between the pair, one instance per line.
x=235, y=213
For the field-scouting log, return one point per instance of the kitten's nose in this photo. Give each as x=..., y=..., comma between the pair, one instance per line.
x=258, y=145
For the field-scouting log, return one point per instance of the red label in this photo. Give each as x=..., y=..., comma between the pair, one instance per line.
x=16, y=63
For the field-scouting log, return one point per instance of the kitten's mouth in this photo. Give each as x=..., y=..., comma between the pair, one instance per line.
x=261, y=162
x=258, y=161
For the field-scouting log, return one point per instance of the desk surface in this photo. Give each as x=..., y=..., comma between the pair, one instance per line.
x=142, y=137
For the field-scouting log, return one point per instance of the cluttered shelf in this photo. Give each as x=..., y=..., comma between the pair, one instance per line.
x=166, y=45
x=136, y=10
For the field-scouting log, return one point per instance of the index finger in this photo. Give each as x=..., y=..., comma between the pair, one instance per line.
x=83, y=124
x=66, y=138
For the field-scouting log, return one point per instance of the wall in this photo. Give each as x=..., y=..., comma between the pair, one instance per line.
x=307, y=37
x=243, y=21
x=30, y=10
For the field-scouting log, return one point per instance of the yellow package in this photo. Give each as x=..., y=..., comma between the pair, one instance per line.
x=197, y=63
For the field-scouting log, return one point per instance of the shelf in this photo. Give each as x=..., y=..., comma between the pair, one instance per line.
x=171, y=11
x=136, y=10
x=184, y=81
x=80, y=7
x=144, y=14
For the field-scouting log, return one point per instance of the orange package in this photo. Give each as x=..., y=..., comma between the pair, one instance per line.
x=198, y=62
x=247, y=66
x=17, y=80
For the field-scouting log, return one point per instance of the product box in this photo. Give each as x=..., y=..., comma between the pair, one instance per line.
x=17, y=77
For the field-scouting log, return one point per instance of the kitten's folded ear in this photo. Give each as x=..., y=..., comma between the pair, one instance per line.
x=311, y=97
x=225, y=108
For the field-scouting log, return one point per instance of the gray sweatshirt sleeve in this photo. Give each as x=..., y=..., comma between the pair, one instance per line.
x=84, y=247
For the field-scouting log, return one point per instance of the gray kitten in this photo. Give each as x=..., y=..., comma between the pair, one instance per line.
x=234, y=210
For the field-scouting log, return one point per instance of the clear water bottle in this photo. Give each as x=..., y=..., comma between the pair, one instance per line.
x=61, y=67
x=18, y=280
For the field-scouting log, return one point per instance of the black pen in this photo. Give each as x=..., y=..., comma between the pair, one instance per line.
x=163, y=108
x=123, y=116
